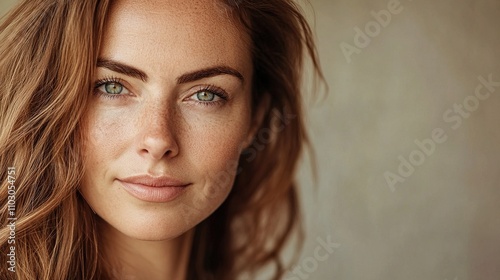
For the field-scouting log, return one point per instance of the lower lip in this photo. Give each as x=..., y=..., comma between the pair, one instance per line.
x=153, y=194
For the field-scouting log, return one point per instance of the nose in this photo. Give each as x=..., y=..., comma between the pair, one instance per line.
x=157, y=138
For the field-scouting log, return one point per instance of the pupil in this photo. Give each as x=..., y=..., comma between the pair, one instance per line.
x=113, y=88
x=205, y=96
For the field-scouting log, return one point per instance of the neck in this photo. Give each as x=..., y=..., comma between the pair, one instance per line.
x=135, y=259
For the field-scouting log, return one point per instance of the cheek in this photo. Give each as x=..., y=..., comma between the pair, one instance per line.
x=105, y=137
x=220, y=159
x=213, y=150
x=218, y=141
x=219, y=136
x=104, y=141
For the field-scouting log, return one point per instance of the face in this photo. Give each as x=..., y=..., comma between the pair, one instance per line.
x=168, y=118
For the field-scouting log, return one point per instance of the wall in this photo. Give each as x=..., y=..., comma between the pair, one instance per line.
x=442, y=221
x=5, y=5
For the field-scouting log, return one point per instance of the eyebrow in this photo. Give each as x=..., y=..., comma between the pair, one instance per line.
x=122, y=69
x=209, y=72
x=185, y=78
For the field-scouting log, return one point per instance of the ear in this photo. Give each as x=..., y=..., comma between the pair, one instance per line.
x=258, y=114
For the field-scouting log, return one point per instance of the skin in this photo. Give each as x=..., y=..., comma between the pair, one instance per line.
x=158, y=126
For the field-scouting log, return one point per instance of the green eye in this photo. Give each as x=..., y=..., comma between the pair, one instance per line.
x=205, y=96
x=113, y=88
x=208, y=96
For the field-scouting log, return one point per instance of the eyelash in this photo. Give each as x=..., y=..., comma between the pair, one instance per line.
x=217, y=91
x=104, y=81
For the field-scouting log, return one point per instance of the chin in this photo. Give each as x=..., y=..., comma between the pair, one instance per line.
x=150, y=225
x=158, y=222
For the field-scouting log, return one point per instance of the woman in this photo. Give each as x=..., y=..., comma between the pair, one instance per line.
x=150, y=139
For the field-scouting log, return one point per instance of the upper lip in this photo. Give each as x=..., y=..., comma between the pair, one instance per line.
x=154, y=181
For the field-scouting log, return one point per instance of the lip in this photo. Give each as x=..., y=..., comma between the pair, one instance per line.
x=153, y=189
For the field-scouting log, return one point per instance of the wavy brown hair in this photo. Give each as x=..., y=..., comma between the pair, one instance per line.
x=48, y=53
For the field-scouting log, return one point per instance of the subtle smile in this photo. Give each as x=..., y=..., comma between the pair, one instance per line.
x=153, y=189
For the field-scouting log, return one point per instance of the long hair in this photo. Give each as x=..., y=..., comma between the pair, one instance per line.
x=48, y=50
x=48, y=53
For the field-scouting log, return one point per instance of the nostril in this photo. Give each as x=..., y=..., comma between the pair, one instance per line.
x=158, y=147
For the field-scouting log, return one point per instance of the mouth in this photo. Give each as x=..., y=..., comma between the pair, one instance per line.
x=154, y=189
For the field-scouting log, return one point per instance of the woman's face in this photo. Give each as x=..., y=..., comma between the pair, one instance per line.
x=169, y=116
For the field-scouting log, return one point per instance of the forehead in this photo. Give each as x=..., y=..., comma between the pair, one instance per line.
x=174, y=35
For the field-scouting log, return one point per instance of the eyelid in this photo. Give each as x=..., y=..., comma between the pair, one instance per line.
x=220, y=93
x=110, y=79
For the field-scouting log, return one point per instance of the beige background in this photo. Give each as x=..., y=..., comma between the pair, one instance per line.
x=443, y=221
